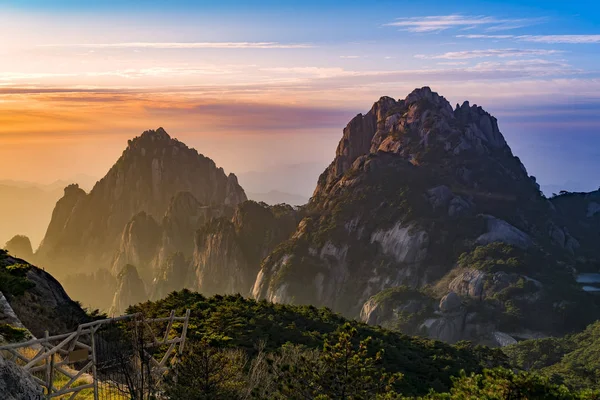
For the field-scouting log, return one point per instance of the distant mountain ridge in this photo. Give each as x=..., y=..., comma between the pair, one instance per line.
x=276, y=197
x=25, y=210
x=85, y=228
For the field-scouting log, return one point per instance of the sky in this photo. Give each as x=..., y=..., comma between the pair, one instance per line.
x=266, y=87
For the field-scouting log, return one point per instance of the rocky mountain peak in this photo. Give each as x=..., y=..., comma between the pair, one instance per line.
x=20, y=246
x=425, y=94
x=74, y=190
x=424, y=129
x=158, y=136
x=152, y=170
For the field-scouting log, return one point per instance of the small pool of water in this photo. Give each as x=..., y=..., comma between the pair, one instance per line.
x=591, y=289
x=588, y=278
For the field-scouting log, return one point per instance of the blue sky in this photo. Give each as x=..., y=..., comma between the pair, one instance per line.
x=294, y=72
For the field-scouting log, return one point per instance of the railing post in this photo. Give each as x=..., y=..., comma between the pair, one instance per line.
x=48, y=367
x=184, y=331
x=94, y=376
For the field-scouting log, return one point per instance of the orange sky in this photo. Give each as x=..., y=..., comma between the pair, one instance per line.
x=260, y=90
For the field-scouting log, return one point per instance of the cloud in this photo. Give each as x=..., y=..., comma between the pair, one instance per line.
x=12, y=76
x=452, y=63
x=546, y=39
x=462, y=55
x=321, y=72
x=292, y=82
x=442, y=22
x=162, y=71
x=255, y=117
x=349, y=56
x=132, y=73
x=535, y=67
x=186, y=45
x=486, y=36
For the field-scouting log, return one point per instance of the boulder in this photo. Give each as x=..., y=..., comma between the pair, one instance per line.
x=503, y=339
x=469, y=283
x=501, y=231
x=16, y=383
x=450, y=302
x=439, y=196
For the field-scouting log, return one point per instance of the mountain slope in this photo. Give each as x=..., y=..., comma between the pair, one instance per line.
x=574, y=359
x=246, y=323
x=212, y=249
x=85, y=228
x=419, y=194
x=32, y=299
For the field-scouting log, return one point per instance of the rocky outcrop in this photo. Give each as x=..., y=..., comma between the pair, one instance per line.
x=38, y=302
x=398, y=308
x=469, y=283
x=219, y=263
x=183, y=218
x=228, y=253
x=174, y=276
x=20, y=247
x=450, y=302
x=414, y=185
x=58, y=247
x=130, y=290
x=393, y=171
x=149, y=245
x=17, y=384
x=501, y=231
x=405, y=244
x=577, y=227
x=139, y=244
x=86, y=229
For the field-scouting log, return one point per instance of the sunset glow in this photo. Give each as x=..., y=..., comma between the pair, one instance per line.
x=242, y=86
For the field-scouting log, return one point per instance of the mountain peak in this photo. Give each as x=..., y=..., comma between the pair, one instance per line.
x=423, y=129
x=151, y=138
x=425, y=94
x=158, y=134
x=151, y=171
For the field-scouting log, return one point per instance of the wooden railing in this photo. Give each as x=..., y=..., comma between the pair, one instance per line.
x=46, y=357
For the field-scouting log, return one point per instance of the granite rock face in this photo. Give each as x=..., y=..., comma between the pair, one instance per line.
x=17, y=384
x=130, y=290
x=228, y=252
x=210, y=249
x=149, y=245
x=139, y=243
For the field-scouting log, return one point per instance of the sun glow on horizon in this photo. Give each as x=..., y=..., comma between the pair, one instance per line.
x=82, y=80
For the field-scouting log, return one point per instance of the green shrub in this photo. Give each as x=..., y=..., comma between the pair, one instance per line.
x=13, y=280
x=13, y=334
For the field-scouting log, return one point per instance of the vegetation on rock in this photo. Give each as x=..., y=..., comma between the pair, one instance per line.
x=573, y=360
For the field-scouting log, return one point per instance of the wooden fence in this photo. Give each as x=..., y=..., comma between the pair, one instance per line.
x=86, y=359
